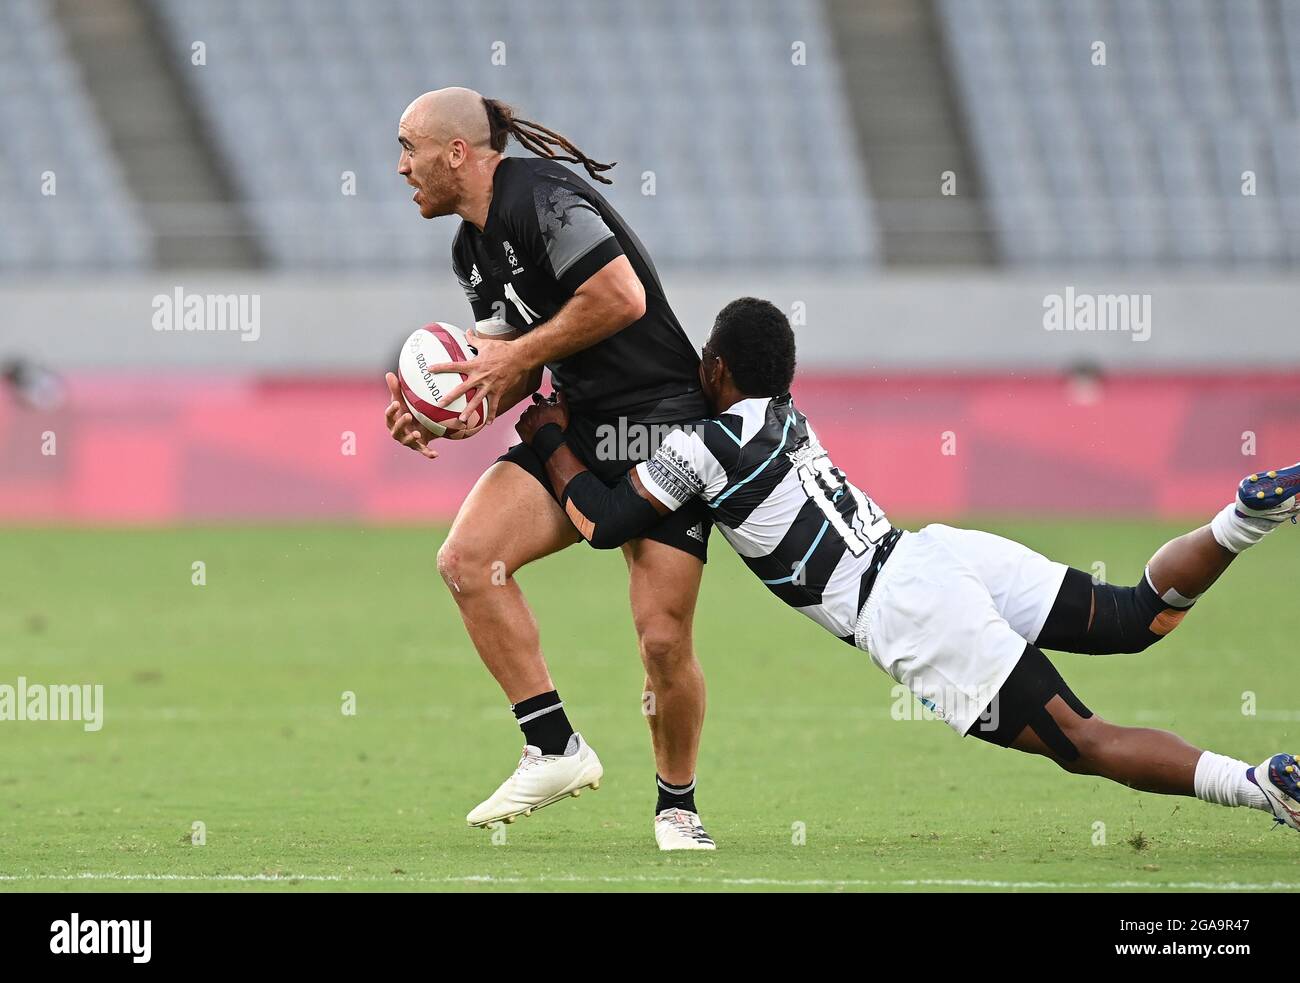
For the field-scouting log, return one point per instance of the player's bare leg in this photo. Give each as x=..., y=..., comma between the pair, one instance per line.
x=1189, y=565
x=509, y=520
x=1102, y=619
x=1160, y=761
x=664, y=585
x=1143, y=758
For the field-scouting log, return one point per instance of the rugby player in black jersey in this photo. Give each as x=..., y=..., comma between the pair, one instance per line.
x=957, y=615
x=556, y=278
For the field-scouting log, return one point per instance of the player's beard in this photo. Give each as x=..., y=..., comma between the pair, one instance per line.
x=437, y=195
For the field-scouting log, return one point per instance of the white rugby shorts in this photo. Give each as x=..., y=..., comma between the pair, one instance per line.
x=951, y=612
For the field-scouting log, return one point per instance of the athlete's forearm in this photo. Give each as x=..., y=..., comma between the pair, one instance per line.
x=525, y=388
x=562, y=466
x=606, y=517
x=587, y=318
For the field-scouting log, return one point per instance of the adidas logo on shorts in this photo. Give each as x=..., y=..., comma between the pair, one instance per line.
x=696, y=532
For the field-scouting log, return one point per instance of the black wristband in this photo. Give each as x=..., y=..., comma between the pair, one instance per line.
x=548, y=438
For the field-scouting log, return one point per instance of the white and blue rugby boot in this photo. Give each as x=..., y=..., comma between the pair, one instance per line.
x=1271, y=495
x=1279, y=779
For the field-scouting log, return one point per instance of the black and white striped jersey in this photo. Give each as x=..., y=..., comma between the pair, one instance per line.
x=812, y=537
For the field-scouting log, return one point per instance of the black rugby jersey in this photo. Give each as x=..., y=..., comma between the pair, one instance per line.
x=547, y=232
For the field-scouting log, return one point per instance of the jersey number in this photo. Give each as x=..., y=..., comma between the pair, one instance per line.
x=527, y=313
x=824, y=484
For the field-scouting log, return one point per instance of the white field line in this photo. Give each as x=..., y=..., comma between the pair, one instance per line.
x=871, y=714
x=666, y=881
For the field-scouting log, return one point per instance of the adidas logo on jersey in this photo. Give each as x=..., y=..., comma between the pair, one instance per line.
x=475, y=277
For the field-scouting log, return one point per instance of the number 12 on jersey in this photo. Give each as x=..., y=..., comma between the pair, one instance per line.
x=825, y=484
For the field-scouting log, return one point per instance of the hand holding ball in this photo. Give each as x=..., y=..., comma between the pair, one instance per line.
x=423, y=390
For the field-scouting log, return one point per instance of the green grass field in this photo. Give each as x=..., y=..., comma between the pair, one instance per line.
x=223, y=705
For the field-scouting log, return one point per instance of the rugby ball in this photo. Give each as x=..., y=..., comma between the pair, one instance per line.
x=422, y=388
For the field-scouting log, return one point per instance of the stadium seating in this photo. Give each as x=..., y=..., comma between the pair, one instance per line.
x=753, y=161
x=1139, y=161
x=753, y=157
x=52, y=142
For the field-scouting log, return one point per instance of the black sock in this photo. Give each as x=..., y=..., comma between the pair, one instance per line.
x=543, y=722
x=675, y=796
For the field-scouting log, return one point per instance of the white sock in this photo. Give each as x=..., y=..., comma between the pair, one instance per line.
x=1222, y=780
x=1236, y=532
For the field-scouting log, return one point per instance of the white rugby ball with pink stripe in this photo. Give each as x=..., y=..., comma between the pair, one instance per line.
x=423, y=389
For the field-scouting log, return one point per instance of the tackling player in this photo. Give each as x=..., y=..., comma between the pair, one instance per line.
x=958, y=616
x=556, y=278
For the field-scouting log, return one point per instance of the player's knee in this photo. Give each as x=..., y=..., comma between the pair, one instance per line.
x=1088, y=740
x=1134, y=642
x=464, y=565
x=1128, y=620
x=665, y=646
x=450, y=562
x=1162, y=623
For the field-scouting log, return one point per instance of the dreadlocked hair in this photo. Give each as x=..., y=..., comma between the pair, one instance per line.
x=540, y=140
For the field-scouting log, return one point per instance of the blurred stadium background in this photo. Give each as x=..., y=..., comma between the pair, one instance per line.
x=913, y=180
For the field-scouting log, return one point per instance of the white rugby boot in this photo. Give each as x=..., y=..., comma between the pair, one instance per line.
x=539, y=780
x=678, y=829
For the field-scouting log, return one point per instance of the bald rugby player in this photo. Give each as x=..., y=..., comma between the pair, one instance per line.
x=557, y=279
